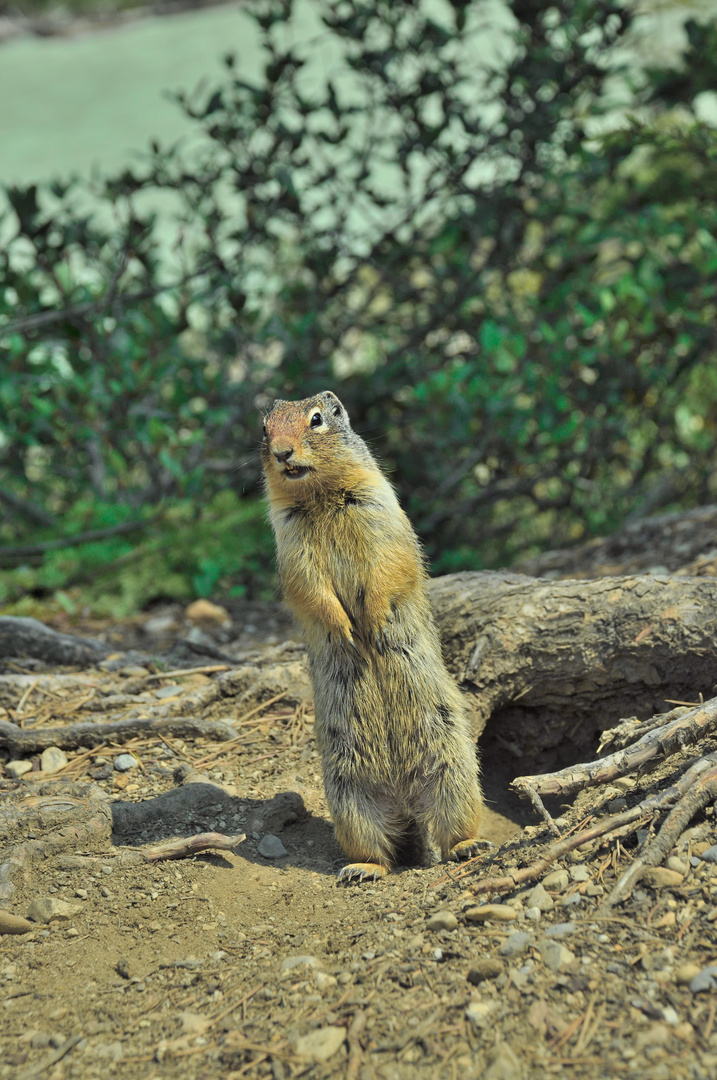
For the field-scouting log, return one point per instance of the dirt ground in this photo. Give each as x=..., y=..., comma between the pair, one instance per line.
x=243, y=964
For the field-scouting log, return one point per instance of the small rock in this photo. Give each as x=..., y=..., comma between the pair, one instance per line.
x=168, y=691
x=491, y=912
x=53, y=759
x=489, y=968
x=659, y=877
x=710, y=854
x=557, y=881
x=290, y=963
x=561, y=930
x=111, y=1052
x=532, y=914
x=82, y=893
x=504, y=1066
x=706, y=980
x=712, y=915
x=134, y=671
x=685, y=973
x=539, y=898
x=515, y=944
x=205, y=614
x=665, y=921
x=103, y=772
x=320, y=1045
x=673, y=863
x=571, y=900
x=271, y=847
x=480, y=1012
x=159, y=625
x=616, y=806
x=442, y=920
x=125, y=762
x=324, y=981
x=45, y=909
x=595, y=890
x=579, y=873
x=16, y=769
x=555, y=956
x=193, y=1023
x=285, y=808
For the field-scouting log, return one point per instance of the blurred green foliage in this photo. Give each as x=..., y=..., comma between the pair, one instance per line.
x=516, y=309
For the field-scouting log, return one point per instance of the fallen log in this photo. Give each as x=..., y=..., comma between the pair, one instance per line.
x=552, y=663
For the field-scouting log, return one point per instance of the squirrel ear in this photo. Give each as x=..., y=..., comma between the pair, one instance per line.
x=333, y=402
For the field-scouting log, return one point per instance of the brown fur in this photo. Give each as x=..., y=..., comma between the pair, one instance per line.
x=400, y=767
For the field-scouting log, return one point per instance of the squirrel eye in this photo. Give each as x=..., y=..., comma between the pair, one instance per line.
x=316, y=420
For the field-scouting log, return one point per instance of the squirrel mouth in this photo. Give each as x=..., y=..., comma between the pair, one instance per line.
x=295, y=472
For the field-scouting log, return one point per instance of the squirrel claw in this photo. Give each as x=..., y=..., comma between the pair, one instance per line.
x=466, y=849
x=361, y=871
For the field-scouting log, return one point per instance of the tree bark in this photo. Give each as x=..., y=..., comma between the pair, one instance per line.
x=552, y=663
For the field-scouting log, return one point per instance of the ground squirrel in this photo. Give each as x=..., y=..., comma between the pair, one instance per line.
x=400, y=766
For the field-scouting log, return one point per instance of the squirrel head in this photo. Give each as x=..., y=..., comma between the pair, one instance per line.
x=308, y=446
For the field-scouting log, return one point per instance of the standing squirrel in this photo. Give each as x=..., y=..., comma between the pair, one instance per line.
x=400, y=766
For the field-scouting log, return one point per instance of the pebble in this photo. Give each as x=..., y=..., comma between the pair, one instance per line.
x=556, y=881
x=595, y=890
x=479, y=1012
x=134, y=671
x=442, y=920
x=539, y=898
x=324, y=981
x=579, y=873
x=271, y=847
x=705, y=980
x=573, y=900
x=102, y=773
x=555, y=956
x=561, y=930
x=685, y=973
x=159, y=624
x=125, y=762
x=489, y=968
x=168, y=691
x=673, y=863
x=532, y=914
x=320, y=1045
x=515, y=944
x=290, y=963
x=491, y=912
x=710, y=854
x=46, y=908
x=53, y=759
x=16, y=769
x=205, y=613
x=659, y=877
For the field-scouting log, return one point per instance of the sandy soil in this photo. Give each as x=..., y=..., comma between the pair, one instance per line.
x=235, y=964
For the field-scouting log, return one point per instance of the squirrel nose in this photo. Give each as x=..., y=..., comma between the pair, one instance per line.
x=283, y=455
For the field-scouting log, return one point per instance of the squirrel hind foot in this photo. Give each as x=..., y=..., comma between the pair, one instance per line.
x=466, y=849
x=361, y=871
